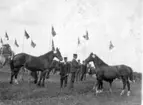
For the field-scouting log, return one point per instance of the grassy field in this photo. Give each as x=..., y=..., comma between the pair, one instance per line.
x=29, y=94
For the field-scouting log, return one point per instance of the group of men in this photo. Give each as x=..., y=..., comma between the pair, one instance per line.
x=75, y=68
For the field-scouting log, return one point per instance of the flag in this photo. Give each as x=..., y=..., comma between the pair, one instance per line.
x=53, y=32
x=111, y=46
x=1, y=41
x=78, y=41
x=53, y=47
x=33, y=44
x=86, y=37
x=6, y=35
x=26, y=35
x=16, y=44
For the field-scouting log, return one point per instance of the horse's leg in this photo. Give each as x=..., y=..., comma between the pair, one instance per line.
x=11, y=79
x=48, y=74
x=128, y=85
x=110, y=89
x=41, y=75
x=34, y=74
x=97, y=87
x=36, y=77
x=16, y=74
x=124, y=86
x=44, y=75
x=22, y=74
x=101, y=86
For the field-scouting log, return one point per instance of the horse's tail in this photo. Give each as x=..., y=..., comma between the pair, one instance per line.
x=131, y=76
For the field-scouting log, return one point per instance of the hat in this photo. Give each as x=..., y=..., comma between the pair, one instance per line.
x=65, y=57
x=74, y=54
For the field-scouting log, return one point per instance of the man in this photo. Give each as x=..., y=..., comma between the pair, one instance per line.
x=78, y=72
x=83, y=71
x=64, y=71
x=74, y=67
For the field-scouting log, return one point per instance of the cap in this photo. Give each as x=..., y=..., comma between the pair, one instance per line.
x=65, y=57
x=74, y=54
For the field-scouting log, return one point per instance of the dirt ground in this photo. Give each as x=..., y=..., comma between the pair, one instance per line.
x=30, y=94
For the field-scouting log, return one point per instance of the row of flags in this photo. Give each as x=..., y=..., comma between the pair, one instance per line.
x=53, y=32
x=86, y=37
x=27, y=36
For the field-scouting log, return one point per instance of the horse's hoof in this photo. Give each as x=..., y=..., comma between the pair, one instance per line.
x=97, y=91
x=34, y=82
x=122, y=92
x=10, y=82
x=100, y=91
x=128, y=93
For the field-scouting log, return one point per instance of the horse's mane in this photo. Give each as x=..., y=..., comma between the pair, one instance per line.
x=46, y=54
x=101, y=62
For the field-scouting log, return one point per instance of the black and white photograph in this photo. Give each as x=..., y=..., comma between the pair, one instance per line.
x=71, y=52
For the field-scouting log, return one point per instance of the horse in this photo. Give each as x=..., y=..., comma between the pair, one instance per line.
x=41, y=63
x=55, y=66
x=109, y=73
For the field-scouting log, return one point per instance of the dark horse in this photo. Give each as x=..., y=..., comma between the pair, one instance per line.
x=55, y=66
x=109, y=73
x=41, y=63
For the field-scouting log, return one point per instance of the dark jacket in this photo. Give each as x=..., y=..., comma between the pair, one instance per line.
x=64, y=69
x=84, y=68
x=75, y=65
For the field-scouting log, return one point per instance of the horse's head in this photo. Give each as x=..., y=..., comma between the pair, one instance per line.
x=90, y=58
x=58, y=54
x=96, y=60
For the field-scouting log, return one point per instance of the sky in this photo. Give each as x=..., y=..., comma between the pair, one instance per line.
x=119, y=21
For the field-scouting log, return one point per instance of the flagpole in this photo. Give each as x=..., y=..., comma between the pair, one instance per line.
x=2, y=46
x=51, y=38
x=23, y=44
x=2, y=50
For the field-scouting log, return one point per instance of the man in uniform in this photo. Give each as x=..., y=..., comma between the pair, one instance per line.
x=84, y=71
x=74, y=67
x=64, y=72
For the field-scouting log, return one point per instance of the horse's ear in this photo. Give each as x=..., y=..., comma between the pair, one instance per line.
x=57, y=49
x=91, y=53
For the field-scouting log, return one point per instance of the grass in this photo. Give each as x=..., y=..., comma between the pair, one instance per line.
x=29, y=94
